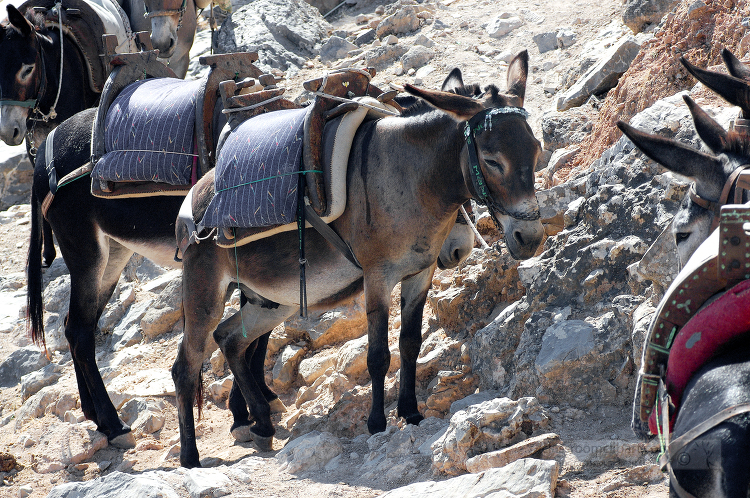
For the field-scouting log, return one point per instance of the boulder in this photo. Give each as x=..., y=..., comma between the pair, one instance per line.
x=503, y=24
x=545, y=42
x=19, y=363
x=16, y=172
x=403, y=21
x=64, y=444
x=285, y=33
x=165, y=311
x=638, y=14
x=501, y=458
x=335, y=48
x=416, y=57
x=115, y=485
x=523, y=478
x=310, y=452
x=484, y=427
x=603, y=75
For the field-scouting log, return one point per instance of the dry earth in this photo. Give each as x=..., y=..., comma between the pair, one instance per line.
x=457, y=48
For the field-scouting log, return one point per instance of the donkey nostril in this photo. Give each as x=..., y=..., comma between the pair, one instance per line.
x=519, y=238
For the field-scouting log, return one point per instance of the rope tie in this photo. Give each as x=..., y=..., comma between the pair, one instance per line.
x=251, y=107
x=52, y=114
x=361, y=104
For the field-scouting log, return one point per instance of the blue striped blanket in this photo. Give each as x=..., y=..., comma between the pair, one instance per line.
x=256, y=174
x=150, y=133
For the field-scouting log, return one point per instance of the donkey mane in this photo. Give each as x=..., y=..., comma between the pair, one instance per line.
x=737, y=143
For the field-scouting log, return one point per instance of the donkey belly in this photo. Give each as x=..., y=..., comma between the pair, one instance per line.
x=144, y=225
x=270, y=267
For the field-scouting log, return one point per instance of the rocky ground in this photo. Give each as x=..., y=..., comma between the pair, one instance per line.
x=527, y=370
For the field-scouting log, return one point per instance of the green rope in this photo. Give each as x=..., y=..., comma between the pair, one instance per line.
x=74, y=179
x=270, y=178
x=662, y=443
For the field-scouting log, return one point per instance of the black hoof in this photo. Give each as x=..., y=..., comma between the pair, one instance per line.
x=375, y=426
x=264, y=443
x=190, y=463
x=414, y=419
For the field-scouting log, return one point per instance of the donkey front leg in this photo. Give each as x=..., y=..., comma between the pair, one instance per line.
x=377, y=304
x=413, y=296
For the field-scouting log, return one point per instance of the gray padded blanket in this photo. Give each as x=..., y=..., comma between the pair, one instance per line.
x=257, y=172
x=150, y=133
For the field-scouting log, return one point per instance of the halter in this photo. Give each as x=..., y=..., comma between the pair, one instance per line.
x=739, y=180
x=167, y=12
x=478, y=124
x=36, y=113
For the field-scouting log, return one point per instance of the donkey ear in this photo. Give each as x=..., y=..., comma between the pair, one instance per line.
x=732, y=89
x=458, y=106
x=518, y=71
x=454, y=81
x=19, y=21
x=735, y=66
x=672, y=154
x=711, y=132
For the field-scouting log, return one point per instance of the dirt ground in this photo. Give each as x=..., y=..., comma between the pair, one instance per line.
x=455, y=49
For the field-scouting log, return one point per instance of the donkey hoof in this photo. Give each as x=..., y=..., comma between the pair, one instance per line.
x=123, y=441
x=264, y=443
x=277, y=406
x=242, y=434
x=414, y=419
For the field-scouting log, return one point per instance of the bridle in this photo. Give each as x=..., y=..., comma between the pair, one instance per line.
x=36, y=113
x=167, y=12
x=739, y=180
x=479, y=123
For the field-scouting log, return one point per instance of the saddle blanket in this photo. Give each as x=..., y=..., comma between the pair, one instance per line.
x=150, y=133
x=256, y=174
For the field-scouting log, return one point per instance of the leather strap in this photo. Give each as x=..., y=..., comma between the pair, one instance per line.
x=330, y=235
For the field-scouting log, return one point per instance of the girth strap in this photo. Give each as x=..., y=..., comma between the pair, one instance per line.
x=330, y=235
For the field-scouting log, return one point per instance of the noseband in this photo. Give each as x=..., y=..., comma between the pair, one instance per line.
x=166, y=12
x=478, y=124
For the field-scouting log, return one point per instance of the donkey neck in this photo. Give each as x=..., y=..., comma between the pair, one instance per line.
x=443, y=154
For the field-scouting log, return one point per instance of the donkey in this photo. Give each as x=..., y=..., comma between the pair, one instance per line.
x=96, y=238
x=713, y=462
x=407, y=178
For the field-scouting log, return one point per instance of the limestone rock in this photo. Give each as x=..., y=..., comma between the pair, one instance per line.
x=164, y=312
x=16, y=173
x=403, y=21
x=206, y=483
x=352, y=358
x=340, y=324
x=219, y=390
x=503, y=24
x=379, y=57
x=310, y=369
x=416, y=57
x=19, y=363
x=523, y=478
x=545, y=42
x=115, y=485
x=566, y=37
x=638, y=14
x=563, y=129
x=603, y=75
x=335, y=48
x=285, y=33
x=310, y=452
x=501, y=458
x=486, y=427
x=285, y=370
x=32, y=382
x=66, y=444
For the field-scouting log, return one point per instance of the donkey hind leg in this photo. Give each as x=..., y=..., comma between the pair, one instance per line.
x=256, y=319
x=48, y=240
x=92, y=283
x=377, y=304
x=413, y=296
x=255, y=357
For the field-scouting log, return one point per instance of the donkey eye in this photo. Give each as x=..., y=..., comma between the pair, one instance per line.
x=494, y=164
x=680, y=237
x=26, y=71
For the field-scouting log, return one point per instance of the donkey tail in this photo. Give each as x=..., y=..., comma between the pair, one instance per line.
x=34, y=301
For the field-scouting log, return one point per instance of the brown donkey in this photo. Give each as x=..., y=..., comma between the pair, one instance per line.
x=407, y=178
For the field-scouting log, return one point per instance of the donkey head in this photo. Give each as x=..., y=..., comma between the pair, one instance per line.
x=20, y=74
x=495, y=126
x=710, y=173
x=166, y=20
